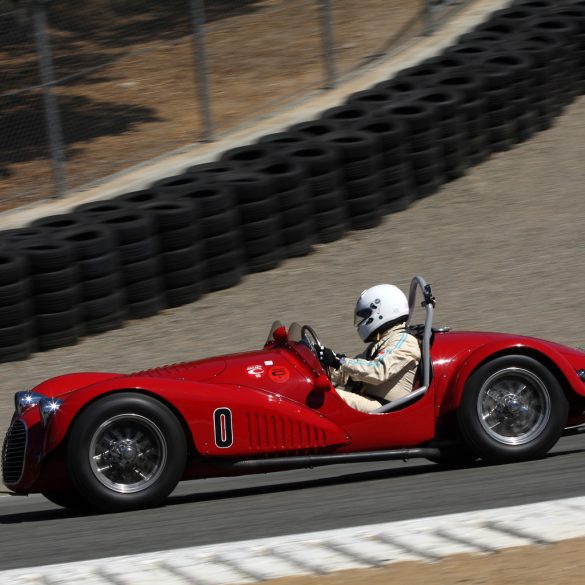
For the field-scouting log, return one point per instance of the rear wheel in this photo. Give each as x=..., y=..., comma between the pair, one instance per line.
x=126, y=451
x=513, y=408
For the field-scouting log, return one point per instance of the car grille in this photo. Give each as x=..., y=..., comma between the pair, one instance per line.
x=13, y=452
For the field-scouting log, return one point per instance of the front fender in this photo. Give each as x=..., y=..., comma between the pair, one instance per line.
x=546, y=352
x=261, y=422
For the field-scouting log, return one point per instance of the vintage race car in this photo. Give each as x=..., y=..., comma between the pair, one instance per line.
x=114, y=442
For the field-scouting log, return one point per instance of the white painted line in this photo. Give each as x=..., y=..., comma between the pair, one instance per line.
x=250, y=561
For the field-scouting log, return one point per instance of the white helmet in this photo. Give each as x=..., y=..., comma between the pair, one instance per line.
x=377, y=306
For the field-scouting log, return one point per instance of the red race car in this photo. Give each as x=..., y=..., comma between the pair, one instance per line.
x=114, y=442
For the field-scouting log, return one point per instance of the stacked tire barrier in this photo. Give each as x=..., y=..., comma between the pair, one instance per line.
x=87, y=271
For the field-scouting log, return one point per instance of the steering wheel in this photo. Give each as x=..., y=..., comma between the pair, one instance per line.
x=309, y=336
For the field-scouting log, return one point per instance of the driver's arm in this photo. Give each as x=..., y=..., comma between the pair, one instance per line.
x=341, y=377
x=387, y=364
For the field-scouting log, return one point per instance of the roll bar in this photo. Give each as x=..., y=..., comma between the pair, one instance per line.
x=428, y=303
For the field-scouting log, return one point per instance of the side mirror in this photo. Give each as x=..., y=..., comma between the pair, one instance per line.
x=322, y=383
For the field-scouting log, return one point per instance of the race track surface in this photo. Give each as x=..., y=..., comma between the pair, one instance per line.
x=503, y=248
x=35, y=532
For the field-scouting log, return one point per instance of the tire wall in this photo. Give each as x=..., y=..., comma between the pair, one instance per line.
x=88, y=271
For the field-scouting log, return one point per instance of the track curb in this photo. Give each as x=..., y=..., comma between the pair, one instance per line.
x=425, y=539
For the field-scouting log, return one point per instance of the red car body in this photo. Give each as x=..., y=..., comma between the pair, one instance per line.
x=277, y=403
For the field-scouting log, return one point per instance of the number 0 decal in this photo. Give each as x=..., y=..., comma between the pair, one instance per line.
x=222, y=426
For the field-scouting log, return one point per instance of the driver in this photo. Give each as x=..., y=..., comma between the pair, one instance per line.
x=386, y=370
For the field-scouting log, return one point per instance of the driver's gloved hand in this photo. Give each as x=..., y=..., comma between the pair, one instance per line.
x=329, y=358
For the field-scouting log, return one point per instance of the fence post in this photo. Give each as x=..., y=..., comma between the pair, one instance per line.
x=52, y=116
x=198, y=18
x=429, y=19
x=328, y=43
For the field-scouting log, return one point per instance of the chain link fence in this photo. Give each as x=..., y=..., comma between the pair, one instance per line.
x=92, y=87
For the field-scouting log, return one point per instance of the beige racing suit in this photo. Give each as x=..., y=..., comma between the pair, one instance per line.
x=386, y=370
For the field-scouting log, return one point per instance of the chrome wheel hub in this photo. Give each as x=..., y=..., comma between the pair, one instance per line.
x=513, y=406
x=127, y=453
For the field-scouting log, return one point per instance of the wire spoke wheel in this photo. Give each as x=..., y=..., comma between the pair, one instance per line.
x=128, y=452
x=513, y=406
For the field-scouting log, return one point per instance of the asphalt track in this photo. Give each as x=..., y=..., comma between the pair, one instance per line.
x=504, y=250
x=35, y=532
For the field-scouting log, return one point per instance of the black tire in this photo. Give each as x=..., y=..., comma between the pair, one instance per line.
x=88, y=241
x=180, y=278
x=64, y=221
x=13, y=267
x=103, y=324
x=260, y=229
x=129, y=226
x=257, y=211
x=96, y=288
x=172, y=215
x=176, y=239
x=13, y=353
x=137, y=251
x=284, y=174
x=99, y=266
x=225, y=279
x=72, y=500
x=221, y=244
x=47, y=282
x=55, y=339
x=283, y=139
x=55, y=302
x=366, y=221
x=141, y=270
x=249, y=155
x=316, y=128
x=265, y=262
x=221, y=263
x=210, y=199
x=139, y=198
x=15, y=334
x=526, y=430
x=315, y=157
x=54, y=322
x=143, y=290
x=47, y=256
x=325, y=183
x=146, y=308
x=103, y=308
x=179, y=185
x=249, y=186
x=15, y=292
x=16, y=313
x=455, y=457
x=215, y=225
x=161, y=429
x=362, y=187
x=183, y=295
x=211, y=173
x=183, y=258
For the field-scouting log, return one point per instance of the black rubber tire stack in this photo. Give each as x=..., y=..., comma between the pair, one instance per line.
x=102, y=295
x=257, y=207
x=16, y=307
x=347, y=115
x=396, y=179
x=453, y=151
x=56, y=291
x=220, y=232
x=423, y=143
x=134, y=233
x=508, y=91
x=576, y=12
x=361, y=162
x=181, y=258
x=471, y=85
x=325, y=182
x=290, y=189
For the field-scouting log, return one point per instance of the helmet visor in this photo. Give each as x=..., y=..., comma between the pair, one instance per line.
x=361, y=315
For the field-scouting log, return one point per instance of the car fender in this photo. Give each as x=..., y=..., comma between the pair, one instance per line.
x=467, y=362
x=222, y=419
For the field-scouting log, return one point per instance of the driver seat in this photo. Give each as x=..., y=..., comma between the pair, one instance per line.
x=424, y=373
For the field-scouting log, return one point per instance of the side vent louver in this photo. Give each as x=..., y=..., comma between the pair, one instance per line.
x=277, y=432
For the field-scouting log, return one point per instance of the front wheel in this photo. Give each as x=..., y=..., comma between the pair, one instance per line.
x=126, y=451
x=512, y=408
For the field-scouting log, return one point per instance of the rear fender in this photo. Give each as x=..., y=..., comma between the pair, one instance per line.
x=560, y=366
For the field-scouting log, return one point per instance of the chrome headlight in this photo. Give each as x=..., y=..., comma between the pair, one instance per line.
x=581, y=374
x=48, y=407
x=25, y=400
